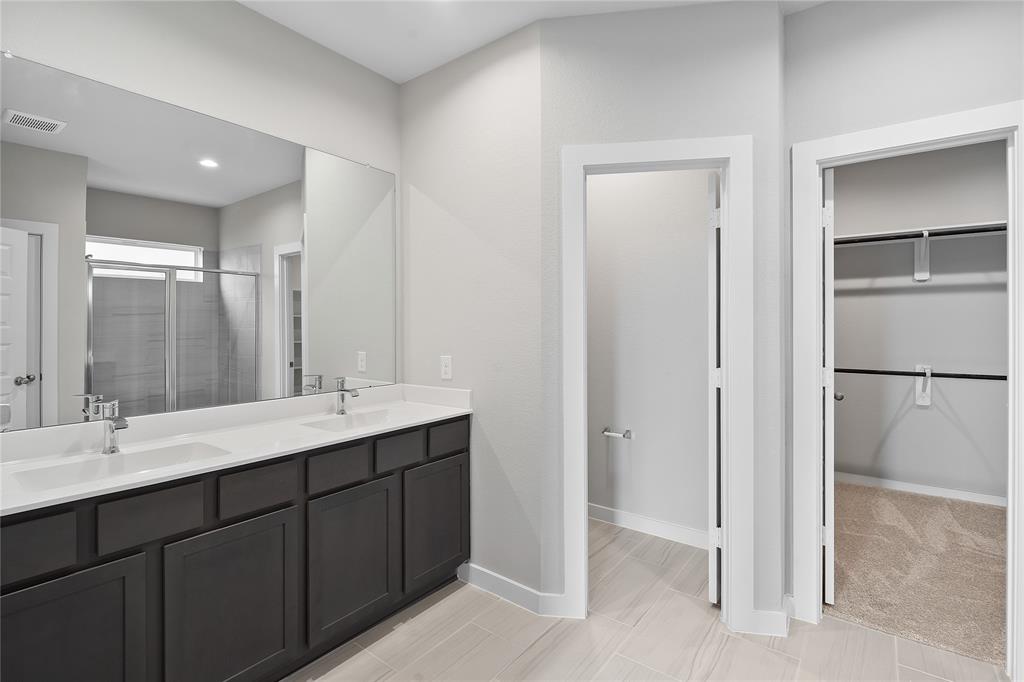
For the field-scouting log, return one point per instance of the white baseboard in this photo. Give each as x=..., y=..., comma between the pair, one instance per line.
x=508, y=589
x=768, y=623
x=645, y=524
x=889, y=484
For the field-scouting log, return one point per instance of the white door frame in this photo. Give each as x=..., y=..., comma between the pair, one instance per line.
x=282, y=325
x=49, y=388
x=1000, y=122
x=733, y=157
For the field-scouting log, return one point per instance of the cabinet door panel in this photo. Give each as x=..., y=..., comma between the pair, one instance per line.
x=354, y=557
x=436, y=520
x=90, y=625
x=231, y=600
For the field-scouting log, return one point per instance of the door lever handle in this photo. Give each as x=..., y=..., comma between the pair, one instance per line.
x=27, y=379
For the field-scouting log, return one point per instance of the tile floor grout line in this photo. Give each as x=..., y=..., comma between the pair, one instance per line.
x=739, y=636
x=918, y=670
x=381, y=660
x=431, y=649
x=643, y=665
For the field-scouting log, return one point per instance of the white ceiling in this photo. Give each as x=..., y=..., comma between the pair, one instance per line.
x=143, y=146
x=402, y=39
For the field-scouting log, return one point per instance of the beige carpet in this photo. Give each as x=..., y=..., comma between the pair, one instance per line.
x=925, y=568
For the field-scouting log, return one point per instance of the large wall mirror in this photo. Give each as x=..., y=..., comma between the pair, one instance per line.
x=171, y=261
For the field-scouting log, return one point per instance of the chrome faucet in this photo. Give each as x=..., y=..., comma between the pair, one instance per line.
x=312, y=384
x=91, y=409
x=342, y=392
x=112, y=423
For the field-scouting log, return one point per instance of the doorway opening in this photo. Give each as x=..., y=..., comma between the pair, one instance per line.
x=730, y=482
x=28, y=353
x=916, y=330
x=906, y=380
x=652, y=403
x=289, y=309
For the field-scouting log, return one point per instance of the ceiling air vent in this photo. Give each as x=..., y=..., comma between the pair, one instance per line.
x=33, y=122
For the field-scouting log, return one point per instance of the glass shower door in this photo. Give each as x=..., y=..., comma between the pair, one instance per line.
x=216, y=342
x=127, y=337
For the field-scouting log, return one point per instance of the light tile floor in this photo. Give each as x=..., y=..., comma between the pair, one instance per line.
x=650, y=620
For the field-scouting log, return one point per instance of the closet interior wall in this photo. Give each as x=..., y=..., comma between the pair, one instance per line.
x=956, y=321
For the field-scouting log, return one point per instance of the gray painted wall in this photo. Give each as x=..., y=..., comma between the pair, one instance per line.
x=262, y=221
x=956, y=321
x=647, y=347
x=116, y=214
x=350, y=269
x=49, y=187
x=472, y=254
x=920, y=58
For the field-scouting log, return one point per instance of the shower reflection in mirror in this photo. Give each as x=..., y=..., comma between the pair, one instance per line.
x=170, y=261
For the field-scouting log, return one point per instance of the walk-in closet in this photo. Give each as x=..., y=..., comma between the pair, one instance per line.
x=919, y=304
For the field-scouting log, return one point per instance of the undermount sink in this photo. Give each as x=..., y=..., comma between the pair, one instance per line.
x=103, y=466
x=347, y=422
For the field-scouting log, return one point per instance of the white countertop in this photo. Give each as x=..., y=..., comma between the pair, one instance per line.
x=37, y=472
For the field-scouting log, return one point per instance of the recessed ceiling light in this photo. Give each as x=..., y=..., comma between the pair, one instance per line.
x=208, y=163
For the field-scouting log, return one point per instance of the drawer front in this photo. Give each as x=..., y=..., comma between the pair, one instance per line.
x=140, y=519
x=337, y=469
x=35, y=547
x=396, y=452
x=256, y=489
x=448, y=439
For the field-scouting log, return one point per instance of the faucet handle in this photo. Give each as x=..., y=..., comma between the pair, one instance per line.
x=340, y=383
x=313, y=381
x=109, y=409
x=92, y=404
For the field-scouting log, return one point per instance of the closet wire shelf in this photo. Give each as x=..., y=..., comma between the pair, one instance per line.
x=934, y=375
x=947, y=231
x=902, y=235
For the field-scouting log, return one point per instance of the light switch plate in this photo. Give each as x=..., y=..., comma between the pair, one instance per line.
x=446, y=367
x=361, y=360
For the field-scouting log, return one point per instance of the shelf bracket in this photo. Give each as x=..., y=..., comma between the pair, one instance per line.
x=922, y=258
x=923, y=386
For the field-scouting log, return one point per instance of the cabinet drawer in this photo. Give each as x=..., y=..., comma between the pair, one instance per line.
x=396, y=452
x=338, y=468
x=35, y=547
x=447, y=439
x=140, y=519
x=256, y=489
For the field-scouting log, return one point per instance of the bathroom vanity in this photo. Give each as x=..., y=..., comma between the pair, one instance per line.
x=269, y=544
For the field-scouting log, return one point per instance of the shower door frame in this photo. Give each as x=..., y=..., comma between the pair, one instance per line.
x=170, y=321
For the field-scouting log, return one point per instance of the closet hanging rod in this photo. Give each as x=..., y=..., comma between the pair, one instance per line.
x=935, y=375
x=946, y=231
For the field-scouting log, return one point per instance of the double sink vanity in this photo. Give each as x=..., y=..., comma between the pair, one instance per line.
x=268, y=535
x=180, y=498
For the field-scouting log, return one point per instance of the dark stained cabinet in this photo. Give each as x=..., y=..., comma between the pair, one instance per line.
x=231, y=600
x=355, y=553
x=436, y=520
x=90, y=625
x=242, y=574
